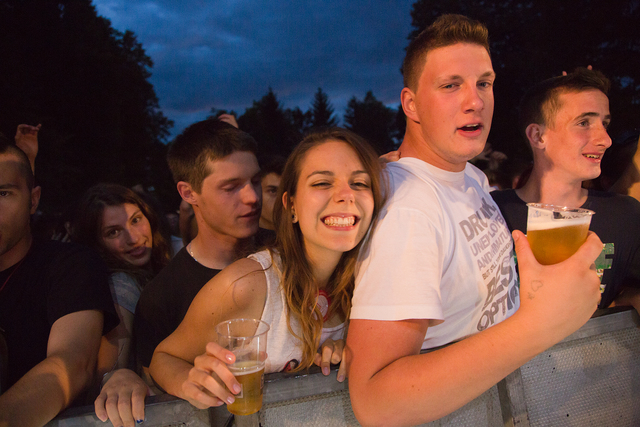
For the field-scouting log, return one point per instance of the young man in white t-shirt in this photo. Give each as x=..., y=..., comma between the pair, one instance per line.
x=439, y=265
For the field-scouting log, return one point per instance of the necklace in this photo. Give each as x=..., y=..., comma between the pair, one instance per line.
x=11, y=274
x=323, y=301
x=191, y=252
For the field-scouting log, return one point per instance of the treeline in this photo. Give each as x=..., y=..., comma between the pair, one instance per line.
x=64, y=66
x=67, y=68
x=278, y=130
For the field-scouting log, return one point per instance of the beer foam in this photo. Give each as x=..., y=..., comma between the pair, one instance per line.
x=245, y=368
x=549, y=223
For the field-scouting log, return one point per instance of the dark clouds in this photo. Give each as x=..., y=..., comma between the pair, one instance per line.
x=225, y=54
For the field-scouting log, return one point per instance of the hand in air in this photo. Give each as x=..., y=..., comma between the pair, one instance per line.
x=210, y=379
x=27, y=140
x=229, y=118
x=121, y=399
x=391, y=156
x=332, y=352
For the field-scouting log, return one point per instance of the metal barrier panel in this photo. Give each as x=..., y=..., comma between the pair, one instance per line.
x=482, y=411
x=313, y=400
x=160, y=411
x=592, y=378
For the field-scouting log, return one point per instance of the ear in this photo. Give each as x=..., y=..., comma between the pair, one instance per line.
x=35, y=198
x=408, y=101
x=187, y=193
x=285, y=202
x=535, y=134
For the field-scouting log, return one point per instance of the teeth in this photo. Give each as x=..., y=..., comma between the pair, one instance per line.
x=471, y=127
x=592, y=156
x=334, y=221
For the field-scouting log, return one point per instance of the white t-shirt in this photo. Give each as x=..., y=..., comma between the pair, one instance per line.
x=440, y=251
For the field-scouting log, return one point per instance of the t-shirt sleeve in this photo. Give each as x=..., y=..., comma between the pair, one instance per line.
x=125, y=291
x=80, y=281
x=400, y=270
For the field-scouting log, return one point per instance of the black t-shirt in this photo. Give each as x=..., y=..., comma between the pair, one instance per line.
x=165, y=300
x=265, y=237
x=54, y=279
x=616, y=221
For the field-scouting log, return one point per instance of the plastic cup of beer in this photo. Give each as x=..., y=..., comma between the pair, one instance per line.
x=247, y=340
x=556, y=232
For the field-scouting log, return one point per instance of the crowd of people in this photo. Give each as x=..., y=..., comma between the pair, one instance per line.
x=351, y=259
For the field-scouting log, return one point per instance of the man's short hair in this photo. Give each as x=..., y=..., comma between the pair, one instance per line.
x=7, y=147
x=541, y=103
x=209, y=139
x=274, y=165
x=447, y=30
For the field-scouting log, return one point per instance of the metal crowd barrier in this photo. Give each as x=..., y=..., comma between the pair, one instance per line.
x=592, y=378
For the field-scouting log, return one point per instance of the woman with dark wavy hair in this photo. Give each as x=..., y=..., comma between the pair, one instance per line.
x=329, y=197
x=122, y=227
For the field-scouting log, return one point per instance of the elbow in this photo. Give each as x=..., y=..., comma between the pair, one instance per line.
x=155, y=370
x=368, y=412
x=83, y=373
x=75, y=374
x=153, y=364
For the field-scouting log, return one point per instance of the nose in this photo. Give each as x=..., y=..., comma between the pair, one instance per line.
x=132, y=236
x=472, y=100
x=344, y=193
x=603, y=138
x=251, y=194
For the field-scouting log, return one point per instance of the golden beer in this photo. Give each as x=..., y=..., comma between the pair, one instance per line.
x=554, y=245
x=556, y=232
x=250, y=375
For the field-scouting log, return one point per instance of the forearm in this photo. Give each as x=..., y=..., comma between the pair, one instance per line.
x=44, y=391
x=169, y=372
x=425, y=387
x=115, y=346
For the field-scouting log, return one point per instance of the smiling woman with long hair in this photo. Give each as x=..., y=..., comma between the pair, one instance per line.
x=116, y=222
x=329, y=197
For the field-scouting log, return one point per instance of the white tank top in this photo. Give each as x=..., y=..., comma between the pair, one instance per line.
x=282, y=347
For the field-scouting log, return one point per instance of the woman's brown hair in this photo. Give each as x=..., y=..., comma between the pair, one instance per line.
x=299, y=286
x=87, y=229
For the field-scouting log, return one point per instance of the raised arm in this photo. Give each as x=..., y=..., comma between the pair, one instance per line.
x=392, y=384
x=27, y=140
x=183, y=363
x=55, y=382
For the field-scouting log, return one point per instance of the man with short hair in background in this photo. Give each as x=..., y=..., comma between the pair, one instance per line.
x=565, y=121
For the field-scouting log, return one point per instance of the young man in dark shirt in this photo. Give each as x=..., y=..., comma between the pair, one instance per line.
x=565, y=121
x=55, y=304
x=216, y=171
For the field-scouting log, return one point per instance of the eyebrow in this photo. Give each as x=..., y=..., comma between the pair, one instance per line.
x=229, y=181
x=9, y=187
x=592, y=114
x=110, y=226
x=329, y=173
x=459, y=77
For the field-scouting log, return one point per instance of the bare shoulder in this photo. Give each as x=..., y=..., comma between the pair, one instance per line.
x=240, y=286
